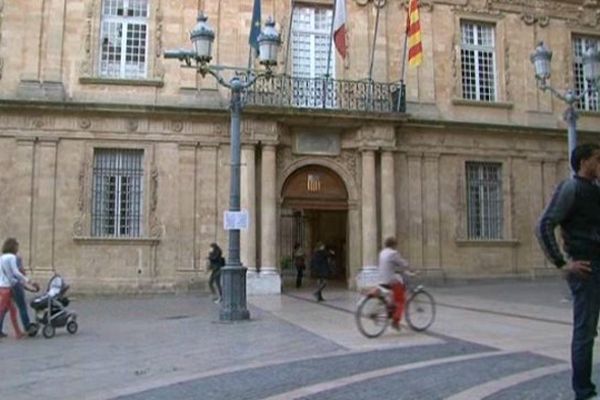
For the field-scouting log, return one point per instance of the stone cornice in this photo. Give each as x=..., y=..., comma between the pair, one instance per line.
x=577, y=12
x=287, y=116
x=487, y=127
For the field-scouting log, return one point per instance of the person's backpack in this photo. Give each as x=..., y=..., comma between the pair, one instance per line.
x=222, y=261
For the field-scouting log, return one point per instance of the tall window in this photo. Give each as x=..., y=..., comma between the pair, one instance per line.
x=478, y=61
x=484, y=200
x=124, y=39
x=580, y=44
x=117, y=193
x=311, y=39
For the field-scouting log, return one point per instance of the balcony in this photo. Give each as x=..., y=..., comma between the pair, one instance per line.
x=284, y=91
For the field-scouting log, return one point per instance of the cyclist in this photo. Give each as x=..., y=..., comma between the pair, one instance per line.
x=392, y=274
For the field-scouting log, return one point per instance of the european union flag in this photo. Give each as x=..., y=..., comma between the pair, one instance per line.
x=255, y=27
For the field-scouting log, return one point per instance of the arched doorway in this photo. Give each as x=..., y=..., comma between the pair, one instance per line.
x=314, y=209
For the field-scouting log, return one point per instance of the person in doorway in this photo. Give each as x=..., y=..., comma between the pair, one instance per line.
x=319, y=264
x=331, y=262
x=299, y=263
x=216, y=262
x=575, y=207
x=392, y=275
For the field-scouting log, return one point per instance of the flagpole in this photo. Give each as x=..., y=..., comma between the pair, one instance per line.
x=255, y=27
x=402, y=76
x=249, y=57
x=289, y=33
x=403, y=72
x=331, y=41
x=374, y=41
x=327, y=76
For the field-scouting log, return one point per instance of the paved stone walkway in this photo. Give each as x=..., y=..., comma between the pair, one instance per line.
x=506, y=340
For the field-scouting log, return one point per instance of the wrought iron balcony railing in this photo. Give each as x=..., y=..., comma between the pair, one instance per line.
x=284, y=91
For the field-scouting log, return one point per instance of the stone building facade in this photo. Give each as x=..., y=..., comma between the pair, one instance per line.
x=114, y=162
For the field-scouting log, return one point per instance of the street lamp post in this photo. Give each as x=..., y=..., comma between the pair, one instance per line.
x=541, y=59
x=233, y=275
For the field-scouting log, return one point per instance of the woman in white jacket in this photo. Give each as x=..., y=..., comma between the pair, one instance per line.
x=9, y=275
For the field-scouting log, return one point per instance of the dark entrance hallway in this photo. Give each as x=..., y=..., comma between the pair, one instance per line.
x=314, y=210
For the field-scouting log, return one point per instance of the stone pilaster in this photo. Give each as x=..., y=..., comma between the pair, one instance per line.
x=44, y=206
x=207, y=198
x=268, y=281
x=54, y=28
x=187, y=257
x=368, y=275
x=388, y=195
x=20, y=213
x=536, y=206
x=248, y=203
x=415, y=207
x=431, y=223
x=30, y=52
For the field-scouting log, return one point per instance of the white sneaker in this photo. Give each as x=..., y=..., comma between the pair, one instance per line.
x=217, y=300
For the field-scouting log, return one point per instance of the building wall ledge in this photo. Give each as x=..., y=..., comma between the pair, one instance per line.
x=152, y=241
x=487, y=243
x=487, y=104
x=87, y=80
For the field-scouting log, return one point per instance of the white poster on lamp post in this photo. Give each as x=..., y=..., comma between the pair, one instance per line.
x=235, y=220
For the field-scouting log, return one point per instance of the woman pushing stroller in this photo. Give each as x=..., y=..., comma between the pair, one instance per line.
x=12, y=284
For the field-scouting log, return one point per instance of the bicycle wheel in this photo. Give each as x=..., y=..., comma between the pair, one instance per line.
x=420, y=310
x=372, y=316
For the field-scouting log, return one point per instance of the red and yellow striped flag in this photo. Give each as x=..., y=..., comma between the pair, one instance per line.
x=413, y=31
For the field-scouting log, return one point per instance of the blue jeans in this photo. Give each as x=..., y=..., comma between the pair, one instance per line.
x=18, y=296
x=586, y=307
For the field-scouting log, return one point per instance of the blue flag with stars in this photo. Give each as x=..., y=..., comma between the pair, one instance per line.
x=255, y=26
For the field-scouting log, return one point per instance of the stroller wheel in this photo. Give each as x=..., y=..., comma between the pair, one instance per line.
x=48, y=331
x=72, y=327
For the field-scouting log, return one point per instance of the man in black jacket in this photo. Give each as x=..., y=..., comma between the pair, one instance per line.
x=319, y=264
x=575, y=207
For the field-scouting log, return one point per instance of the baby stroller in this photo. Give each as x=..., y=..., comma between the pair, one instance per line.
x=51, y=309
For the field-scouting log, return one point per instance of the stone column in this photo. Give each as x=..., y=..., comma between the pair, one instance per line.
x=368, y=275
x=388, y=195
x=268, y=281
x=248, y=203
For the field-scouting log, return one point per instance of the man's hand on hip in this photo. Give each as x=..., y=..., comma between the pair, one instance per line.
x=580, y=268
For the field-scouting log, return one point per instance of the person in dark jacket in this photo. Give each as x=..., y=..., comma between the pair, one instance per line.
x=575, y=207
x=216, y=261
x=319, y=264
x=299, y=263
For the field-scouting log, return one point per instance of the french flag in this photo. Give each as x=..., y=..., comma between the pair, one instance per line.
x=339, y=27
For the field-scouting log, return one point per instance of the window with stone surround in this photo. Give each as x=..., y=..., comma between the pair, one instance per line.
x=484, y=200
x=589, y=101
x=117, y=193
x=478, y=61
x=124, y=39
